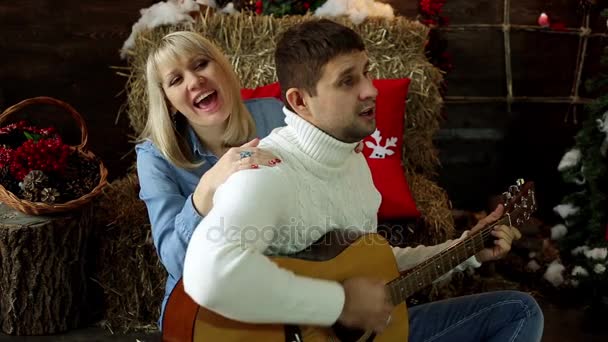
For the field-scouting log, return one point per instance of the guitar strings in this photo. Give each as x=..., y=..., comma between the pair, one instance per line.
x=483, y=232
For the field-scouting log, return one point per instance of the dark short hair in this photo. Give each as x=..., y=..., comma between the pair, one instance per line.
x=305, y=48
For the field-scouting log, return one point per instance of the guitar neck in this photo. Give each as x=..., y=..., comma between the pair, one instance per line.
x=426, y=272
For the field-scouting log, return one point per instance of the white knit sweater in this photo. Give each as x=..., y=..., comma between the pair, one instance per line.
x=321, y=185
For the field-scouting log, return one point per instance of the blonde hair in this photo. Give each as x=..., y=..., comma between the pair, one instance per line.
x=160, y=128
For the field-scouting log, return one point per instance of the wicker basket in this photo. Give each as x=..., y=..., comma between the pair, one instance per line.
x=40, y=208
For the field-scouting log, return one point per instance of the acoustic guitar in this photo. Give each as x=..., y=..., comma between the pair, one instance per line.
x=337, y=256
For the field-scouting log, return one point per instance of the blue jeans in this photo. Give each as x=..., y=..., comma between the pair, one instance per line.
x=500, y=316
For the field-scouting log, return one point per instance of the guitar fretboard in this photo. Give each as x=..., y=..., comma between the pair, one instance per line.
x=426, y=272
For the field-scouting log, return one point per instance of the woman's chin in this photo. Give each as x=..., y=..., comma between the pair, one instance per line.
x=216, y=118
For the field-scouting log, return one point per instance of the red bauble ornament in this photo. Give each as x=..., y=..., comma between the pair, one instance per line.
x=543, y=20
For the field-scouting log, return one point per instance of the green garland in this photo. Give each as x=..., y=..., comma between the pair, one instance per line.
x=279, y=8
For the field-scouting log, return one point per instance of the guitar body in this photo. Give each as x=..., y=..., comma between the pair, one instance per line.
x=337, y=256
x=334, y=257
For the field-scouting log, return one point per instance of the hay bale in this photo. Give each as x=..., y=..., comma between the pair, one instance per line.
x=433, y=204
x=396, y=49
x=128, y=268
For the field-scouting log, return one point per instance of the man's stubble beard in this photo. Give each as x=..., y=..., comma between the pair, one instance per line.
x=356, y=133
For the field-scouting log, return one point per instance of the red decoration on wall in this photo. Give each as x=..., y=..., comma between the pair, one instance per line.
x=436, y=48
x=543, y=20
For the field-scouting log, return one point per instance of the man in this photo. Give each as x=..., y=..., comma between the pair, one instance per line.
x=324, y=185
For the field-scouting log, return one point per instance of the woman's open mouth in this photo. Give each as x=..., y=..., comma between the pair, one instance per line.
x=207, y=101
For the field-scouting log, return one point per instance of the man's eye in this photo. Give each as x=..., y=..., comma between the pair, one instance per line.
x=202, y=64
x=347, y=81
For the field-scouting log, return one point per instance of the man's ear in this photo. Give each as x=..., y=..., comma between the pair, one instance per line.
x=297, y=100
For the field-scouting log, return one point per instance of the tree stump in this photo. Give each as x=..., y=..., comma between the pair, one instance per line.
x=42, y=274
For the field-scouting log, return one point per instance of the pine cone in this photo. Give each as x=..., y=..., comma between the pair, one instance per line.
x=76, y=188
x=90, y=183
x=8, y=181
x=83, y=175
x=32, y=196
x=49, y=195
x=35, y=179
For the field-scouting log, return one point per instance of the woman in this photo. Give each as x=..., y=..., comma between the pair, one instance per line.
x=197, y=134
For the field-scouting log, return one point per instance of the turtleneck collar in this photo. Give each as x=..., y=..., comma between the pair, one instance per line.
x=315, y=143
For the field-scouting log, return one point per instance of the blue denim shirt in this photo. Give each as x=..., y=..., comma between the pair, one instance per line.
x=167, y=190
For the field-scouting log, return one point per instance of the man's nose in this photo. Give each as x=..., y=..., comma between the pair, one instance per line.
x=369, y=91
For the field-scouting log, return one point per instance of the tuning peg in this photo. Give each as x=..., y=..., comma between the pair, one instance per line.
x=514, y=189
x=520, y=182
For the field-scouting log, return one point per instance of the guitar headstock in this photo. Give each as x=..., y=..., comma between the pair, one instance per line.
x=519, y=201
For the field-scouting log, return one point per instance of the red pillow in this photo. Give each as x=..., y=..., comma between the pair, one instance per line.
x=270, y=90
x=382, y=149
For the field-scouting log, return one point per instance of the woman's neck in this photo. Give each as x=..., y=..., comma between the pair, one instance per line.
x=212, y=138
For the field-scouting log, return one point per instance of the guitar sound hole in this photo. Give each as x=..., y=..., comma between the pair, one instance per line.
x=345, y=334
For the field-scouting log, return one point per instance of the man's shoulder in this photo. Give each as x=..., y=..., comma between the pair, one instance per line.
x=265, y=181
x=277, y=144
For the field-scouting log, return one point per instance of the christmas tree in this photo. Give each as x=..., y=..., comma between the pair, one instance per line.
x=584, y=233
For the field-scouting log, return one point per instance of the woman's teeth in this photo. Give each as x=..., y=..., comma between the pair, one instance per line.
x=202, y=97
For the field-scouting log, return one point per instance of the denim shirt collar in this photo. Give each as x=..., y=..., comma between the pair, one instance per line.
x=197, y=147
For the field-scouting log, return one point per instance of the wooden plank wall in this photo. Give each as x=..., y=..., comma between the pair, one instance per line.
x=64, y=49
x=484, y=147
